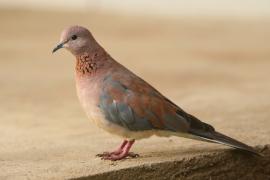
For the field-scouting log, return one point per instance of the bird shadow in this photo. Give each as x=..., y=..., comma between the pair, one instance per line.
x=179, y=153
x=192, y=152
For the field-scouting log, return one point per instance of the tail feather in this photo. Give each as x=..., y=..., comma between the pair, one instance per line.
x=205, y=132
x=219, y=138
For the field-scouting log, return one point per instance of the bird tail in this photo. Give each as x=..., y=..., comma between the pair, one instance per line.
x=219, y=138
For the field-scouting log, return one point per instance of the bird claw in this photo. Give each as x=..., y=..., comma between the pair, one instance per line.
x=103, y=154
x=114, y=157
x=106, y=154
x=132, y=155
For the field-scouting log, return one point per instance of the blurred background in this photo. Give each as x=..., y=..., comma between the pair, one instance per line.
x=211, y=57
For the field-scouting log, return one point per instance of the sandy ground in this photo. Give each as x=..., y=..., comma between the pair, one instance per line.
x=216, y=69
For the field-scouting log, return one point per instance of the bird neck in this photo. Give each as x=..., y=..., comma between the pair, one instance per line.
x=91, y=61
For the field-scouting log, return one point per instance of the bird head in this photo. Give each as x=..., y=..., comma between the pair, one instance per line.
x=75, y=39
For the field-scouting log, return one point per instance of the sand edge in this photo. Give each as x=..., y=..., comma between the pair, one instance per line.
x=231, y=164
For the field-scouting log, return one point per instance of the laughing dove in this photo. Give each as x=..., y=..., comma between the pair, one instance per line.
x=120, y=102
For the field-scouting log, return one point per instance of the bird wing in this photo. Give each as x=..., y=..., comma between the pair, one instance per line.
x=130, y=102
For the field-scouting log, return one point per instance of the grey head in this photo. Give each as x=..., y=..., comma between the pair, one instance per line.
x=76, y=39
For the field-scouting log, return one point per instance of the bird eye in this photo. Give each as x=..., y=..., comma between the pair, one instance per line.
x=73, y=37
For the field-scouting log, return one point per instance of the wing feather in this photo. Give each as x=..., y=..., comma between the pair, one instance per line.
x=132, y=103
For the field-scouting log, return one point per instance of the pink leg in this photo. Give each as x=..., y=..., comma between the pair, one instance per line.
x=125, y=152
x=116, y=152
x=120, y=148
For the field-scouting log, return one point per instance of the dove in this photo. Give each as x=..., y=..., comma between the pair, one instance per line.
x=123, y=104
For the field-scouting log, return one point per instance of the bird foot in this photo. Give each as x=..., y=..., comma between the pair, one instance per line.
x=104, y=154
x=115, y=155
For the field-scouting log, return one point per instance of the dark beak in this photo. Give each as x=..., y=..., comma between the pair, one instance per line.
x=59, y=46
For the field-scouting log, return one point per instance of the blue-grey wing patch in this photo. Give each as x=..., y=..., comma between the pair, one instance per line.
x=138, y=108
x=122, y=114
